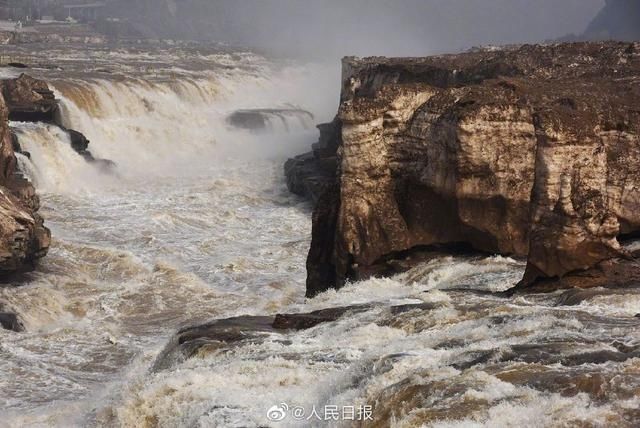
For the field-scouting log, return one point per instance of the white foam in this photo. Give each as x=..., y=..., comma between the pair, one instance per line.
x=54, y=165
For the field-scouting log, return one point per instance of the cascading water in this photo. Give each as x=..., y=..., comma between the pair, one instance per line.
x=52, y=164
x=193, y=223
x=196, y=224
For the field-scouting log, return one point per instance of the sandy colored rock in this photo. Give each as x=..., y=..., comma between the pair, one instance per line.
x=23, y=237
x=528, y=152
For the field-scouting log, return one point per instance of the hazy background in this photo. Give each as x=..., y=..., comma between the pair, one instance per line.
x=361, y=27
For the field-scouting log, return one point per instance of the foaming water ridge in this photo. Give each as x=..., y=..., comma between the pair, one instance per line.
x=148, y=127
x=195, y=224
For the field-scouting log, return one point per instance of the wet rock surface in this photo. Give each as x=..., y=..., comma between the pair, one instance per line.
x=10, y=321
x=459, y=357
x=23, y=237
x=226, y=334
x=313, y=174
x=264, y=119
x=310, y=320
x=80, y=144
x=527, y=152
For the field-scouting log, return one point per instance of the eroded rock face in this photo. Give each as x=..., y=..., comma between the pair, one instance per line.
x=23, y=237
x=29, y=99
x=528, y=152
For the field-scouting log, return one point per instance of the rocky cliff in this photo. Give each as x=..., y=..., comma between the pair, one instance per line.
x=23, y=237
x=619, y=20
x=531, y=152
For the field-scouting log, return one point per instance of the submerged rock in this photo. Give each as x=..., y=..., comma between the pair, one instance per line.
x=312, y=319
x=528, y=152
x=219, y=334
x=576, y=296
x=263, y=119
x=80, y=144
x=17, y=65
x=10, y=321
x=225, y=334
x=17, y=148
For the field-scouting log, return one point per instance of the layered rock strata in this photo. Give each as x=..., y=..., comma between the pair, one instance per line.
x=29, y=100
x=529, y=152
x=23, y=237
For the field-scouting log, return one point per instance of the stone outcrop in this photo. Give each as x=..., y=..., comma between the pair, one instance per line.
x=312, y=173
x=529, y=152
x=23, y=237
x=29, y=100
x=264, y=119
x=9, y=321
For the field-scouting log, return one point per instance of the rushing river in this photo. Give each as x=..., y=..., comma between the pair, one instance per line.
x=196, y=224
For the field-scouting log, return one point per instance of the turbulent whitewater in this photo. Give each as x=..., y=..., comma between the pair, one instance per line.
x=196, y=224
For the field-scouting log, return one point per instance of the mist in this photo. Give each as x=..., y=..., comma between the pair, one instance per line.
x=330, y=28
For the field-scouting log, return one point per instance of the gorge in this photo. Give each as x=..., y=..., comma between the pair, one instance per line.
x=172, y=290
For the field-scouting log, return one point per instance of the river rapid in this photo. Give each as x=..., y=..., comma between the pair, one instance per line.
x=196, y=224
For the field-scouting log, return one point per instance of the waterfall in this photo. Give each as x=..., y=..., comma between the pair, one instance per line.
x=151, y=128
x=53, y=165
x=194, y=223
x=156, y=126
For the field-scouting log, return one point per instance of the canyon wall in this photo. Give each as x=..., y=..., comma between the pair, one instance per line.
x=530, y=152
x=23, y=237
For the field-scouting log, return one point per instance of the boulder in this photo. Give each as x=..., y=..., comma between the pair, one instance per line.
x=79, y=142
x=29, y=99
x=526, y=152
x=9, y=321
